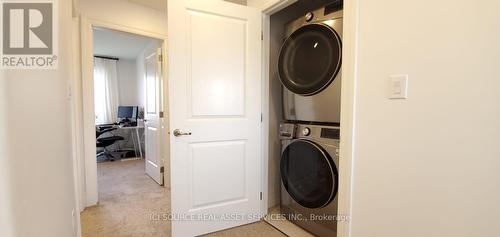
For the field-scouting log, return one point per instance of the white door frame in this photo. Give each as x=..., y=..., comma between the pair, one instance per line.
x=268, y=8
x=87, y=26
x=349, y=61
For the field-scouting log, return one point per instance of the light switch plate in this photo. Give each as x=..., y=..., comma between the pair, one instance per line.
x=398, y=86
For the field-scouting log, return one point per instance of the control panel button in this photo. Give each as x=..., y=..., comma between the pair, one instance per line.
x=306, y=131
x=309, y=16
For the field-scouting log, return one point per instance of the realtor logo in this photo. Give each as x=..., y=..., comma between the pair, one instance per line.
x=29, y=34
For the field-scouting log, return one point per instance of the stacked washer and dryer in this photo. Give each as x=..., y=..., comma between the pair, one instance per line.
x=309, y=68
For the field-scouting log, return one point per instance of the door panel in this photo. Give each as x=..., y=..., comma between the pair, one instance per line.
x=215, y=97
x=152, y=118
x=225, y=76
x=230, y=183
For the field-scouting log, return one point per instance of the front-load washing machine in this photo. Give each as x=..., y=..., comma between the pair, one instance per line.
x=309, y=177
x=309, y=66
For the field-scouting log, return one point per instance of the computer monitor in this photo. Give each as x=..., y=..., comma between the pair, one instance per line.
x=128, y=112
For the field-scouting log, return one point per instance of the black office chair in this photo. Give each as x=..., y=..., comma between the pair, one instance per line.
x=104, y=142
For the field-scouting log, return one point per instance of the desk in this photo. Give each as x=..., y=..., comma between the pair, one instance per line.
x=136, y=140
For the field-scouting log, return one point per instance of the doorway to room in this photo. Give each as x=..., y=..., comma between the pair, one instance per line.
x=127, y=98
x=128, y=108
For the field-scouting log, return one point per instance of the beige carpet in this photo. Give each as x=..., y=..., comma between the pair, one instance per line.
x=128, y=197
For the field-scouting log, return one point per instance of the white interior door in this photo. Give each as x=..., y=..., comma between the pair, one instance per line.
x=152, y=112
x=215, y=103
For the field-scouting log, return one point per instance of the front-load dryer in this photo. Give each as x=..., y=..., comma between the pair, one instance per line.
x=309, y=177
x=309, y=67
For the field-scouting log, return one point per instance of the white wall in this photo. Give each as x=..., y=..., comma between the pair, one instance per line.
x=125, y=13
x=38, y=167
x=241, y=2
x=6, y=225
x=141, y=81
x=260, y=3
x=128, y=83
x=428, y=165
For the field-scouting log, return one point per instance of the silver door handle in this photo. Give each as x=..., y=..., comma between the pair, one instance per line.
x=178, y=132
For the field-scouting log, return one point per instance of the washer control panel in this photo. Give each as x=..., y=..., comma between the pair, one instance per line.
x=287, y=131
x=330, y=133
x=309, y=16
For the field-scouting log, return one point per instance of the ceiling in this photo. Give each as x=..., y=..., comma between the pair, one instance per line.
x=119, y=44
x=160, y=5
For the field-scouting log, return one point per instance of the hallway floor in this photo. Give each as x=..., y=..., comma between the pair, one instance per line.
x=128, y=198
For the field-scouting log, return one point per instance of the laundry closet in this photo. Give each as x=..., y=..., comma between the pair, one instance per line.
x=304, y=121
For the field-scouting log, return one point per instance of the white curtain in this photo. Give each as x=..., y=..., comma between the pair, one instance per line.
x=105, y=91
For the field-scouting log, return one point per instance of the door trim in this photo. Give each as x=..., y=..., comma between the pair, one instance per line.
x=268, y=8
x=89, y=140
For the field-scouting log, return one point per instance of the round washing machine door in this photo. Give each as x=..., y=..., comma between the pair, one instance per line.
x=310, y=59
x=308, y=174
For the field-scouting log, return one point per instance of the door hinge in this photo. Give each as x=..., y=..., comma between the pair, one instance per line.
x=260, y=195
x=261, y=35
x=261, y=118
x=162, y=170
x=160, y=57
x=161, y=114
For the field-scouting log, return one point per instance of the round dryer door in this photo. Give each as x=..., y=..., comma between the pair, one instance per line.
x=308, y=174
x=310, y=59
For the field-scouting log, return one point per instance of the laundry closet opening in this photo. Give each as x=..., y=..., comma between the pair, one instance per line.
x=305, y=68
